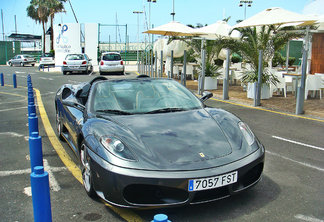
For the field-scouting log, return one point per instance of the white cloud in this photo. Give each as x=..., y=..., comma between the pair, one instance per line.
x=314, y=7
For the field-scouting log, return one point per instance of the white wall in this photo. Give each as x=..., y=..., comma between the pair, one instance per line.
x=67, y=39
x=91, y=41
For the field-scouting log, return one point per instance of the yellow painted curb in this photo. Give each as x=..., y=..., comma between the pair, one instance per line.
x=54, y=140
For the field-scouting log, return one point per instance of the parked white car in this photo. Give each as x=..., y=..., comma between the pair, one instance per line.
x=47, y=59
x=77, y=63
x=111, y=62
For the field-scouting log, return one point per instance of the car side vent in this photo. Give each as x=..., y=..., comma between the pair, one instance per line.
x=142, y=76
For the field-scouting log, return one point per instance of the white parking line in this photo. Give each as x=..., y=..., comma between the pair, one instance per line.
x=4, y=110
x=46, y=78
x=72, y=81
x=295, y=161
x=25, y=77
x=298, y=143
x=17, y=101
x=307, y=218
x=12, y=134
x=48, y=93
x=52, y=181
x=27, y=191
x=27, y=171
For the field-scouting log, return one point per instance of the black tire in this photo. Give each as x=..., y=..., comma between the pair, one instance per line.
x=86, y=172
x=22, y=64
x=100, y=73
x=9, y=63
x=64, y=72
x=32, y=64
x=59, y=126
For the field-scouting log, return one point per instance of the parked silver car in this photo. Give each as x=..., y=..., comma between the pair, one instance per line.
x=77, y=63
x=111, y=62
x=22, y=60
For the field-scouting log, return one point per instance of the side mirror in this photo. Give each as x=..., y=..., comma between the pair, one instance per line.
x=76, y=105
x=206, y=95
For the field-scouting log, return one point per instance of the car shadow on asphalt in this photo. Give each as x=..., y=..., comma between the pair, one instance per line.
x=229, y=208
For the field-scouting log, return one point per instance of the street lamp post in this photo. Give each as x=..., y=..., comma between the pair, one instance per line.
x=150, y=36
x=172, y=13
x=149, y=1
x=138, y=13
x=245, y=2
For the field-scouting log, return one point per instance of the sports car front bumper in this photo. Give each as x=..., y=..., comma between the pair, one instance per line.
x=142, y=188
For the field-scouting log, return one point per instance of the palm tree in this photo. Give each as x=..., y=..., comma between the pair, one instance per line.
x=38, y=11
x=270, y=39
x=54, y=6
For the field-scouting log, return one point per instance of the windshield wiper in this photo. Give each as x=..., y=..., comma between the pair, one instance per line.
x=166, y=110
x=114, y=111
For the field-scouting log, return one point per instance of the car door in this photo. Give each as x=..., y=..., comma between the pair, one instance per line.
x=73, y=121
x=19, y=59
x=14, y=60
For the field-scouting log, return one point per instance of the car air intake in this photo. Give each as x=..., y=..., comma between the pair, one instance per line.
x=141, y=194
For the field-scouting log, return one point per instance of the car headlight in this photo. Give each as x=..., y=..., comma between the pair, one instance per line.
x=247, y=133
x=116, y=147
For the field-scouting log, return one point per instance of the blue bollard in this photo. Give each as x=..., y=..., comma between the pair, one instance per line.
x=41, y=195
x=30, y=93
x=1, y=79
x=160, y=218
x=31, y=98
x=35, y=150
x=29, y=86
x=32, y=123
x=14, y=79
x=31, y=109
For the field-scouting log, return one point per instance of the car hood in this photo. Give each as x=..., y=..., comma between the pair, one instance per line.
x=185, y=140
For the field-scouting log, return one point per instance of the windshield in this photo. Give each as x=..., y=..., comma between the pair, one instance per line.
x=111, y=57
x=142, y=96
x=47, y=55
x=74, y=57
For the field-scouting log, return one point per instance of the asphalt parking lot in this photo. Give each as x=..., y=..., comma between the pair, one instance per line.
x=291, y=188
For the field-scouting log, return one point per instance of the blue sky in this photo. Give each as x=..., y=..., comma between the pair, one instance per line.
x=187, y=12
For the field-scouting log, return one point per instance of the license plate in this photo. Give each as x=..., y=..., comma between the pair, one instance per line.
x=74, y=67
x=212, y=182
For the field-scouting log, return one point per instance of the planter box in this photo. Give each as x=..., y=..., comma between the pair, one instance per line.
x=265, y=91
x=210, y=83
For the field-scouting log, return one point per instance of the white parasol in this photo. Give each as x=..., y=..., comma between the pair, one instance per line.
x=216, y=30
x=172, y=29
x=275, y=16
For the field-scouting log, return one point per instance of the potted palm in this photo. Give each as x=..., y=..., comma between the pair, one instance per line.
x=212, y=71
x=250, y=77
